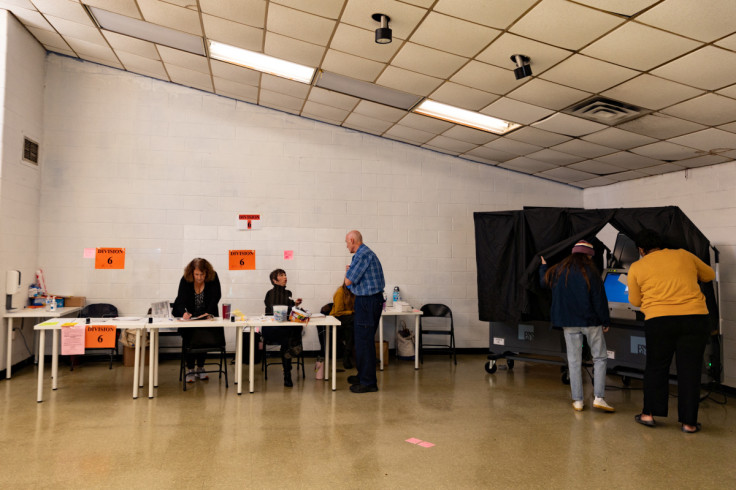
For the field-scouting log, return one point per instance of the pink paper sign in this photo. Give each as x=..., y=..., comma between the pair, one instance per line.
x=72, y=340
x=288, y=254
x=89, y=253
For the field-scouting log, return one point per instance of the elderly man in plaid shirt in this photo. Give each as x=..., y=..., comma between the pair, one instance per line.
x=364, y=277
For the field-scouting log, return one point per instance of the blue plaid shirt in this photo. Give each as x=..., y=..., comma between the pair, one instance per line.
x=365, y=272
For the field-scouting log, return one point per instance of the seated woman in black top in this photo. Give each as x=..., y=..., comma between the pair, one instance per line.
x=289, y=336
x=199, y=293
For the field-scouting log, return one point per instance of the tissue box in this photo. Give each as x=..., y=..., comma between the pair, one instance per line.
x=401, y=306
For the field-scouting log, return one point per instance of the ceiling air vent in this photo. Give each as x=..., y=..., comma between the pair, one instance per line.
x=30, y=151
x=605, y=111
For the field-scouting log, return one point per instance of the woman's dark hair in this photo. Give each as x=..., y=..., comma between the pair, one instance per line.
x=581, y=262
x=202, y=265
x=275, y=275
x=649, y=240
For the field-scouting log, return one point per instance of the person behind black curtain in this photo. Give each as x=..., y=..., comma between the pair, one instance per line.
x=288, y=336
x=199, y=293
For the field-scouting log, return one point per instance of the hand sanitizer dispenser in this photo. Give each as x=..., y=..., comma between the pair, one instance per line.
x=12, y=286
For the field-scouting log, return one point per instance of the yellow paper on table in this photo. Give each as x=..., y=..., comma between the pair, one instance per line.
x=49, y=324
x=100, y=336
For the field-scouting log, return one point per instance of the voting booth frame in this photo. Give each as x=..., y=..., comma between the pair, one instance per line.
x=508, y=246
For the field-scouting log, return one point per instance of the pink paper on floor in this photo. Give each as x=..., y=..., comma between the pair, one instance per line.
x=413, y=440
x=425, y=444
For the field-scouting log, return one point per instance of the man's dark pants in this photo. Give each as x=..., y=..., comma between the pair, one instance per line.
x=367, y=315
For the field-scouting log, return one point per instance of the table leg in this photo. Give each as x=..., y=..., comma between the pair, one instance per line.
x=327, y=352
x=142, y=370
x=380, y=342
x=153, y=347
x=136, y=362
x=239, y=359
x=9, y=353
x=251, y=357
x=54, y=359
x=155, y=357
x=334, y=357
x=41, y=353
x=416, y=342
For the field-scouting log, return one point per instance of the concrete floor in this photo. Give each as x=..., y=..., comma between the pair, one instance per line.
x=512, y=429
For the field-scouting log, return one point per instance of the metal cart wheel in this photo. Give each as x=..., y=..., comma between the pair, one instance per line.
x=491, y=367
x=510, y=364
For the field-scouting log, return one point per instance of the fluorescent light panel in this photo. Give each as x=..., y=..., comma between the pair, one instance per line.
x=261, y=62
x=464, y=117
x=366, y=90
x=146, y=31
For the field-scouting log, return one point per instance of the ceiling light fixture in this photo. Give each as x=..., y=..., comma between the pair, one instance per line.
x=261, y=62
x=383, y=33
x=522, y=69
x=464, y=117
x=366, y=90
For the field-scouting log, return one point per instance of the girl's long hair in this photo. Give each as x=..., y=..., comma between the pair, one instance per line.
x=581, y=262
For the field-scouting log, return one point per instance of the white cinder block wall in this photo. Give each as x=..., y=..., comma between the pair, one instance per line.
x=22, y=62
x=706, y=195
x=164, y=170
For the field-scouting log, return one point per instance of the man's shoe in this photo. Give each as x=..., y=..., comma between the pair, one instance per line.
x=601, y=404
x=363, y=388
x=697, y=428
x=648, y=423
x=191, y=376
x=578, y=405
x=353, y=380
x=201, y=374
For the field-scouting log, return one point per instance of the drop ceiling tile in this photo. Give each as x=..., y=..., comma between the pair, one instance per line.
x=710, y=140
x=361, y=42
x=490, y=155
x=143, y=65
x=486, y=77
x=168, y=15
x=595, y=182
x=233, y=33
x=280, y=101
x=526, y=165
x=408, y=81
x=547, y=94
x=709, y=109
x=470, y=135
x=425, y=123
x=462, y=96
x=293, y=50
x=494, y=13
x=597, y=168
x=728, y=127
x=568, y=125
x=300, y=25
x=404, y=18
x=665, y=168
x=248, y=12
x=11, y=4
x=108, y=61
x=583, y=149
x=333, y=99
x=618, y=138
x=449, y=144
x=67, y=52
x=324, y=8
x=564, y=24
x=474, y=158
x=284, y=86
x=639, y=47
x=73, y=30
x=236, y=90
x=30, y=18
x=516, y=111
x=432, y=62
x=709, y=68
x=440, y=149
x=660, y=126
x=588, y=74
x=238, y=74
x=188, y=77
x=565, y=174
x=379, y=111
x=64, y=9
x=352, y=66
x=50, y=39
x=537, y=137
x=409, y=135
x=122, y=7
x=171, y=56
x=703, y=161
x=729, y=91
x=365, y=123
x=555, y=157
x=705, y=20
x=623, y=176
x=453, y=35
x=625, y=159
x=621, y=7
x=511, y=146
x=125, y=44
x=664, y=150
x=652, y=92
x=728, y=43
x=542, y=56
x=322, y=112
x=94, y=50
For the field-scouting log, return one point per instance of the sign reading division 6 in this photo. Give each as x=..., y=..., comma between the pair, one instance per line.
x=242, y=260
x=100, y=336
x=110, y=258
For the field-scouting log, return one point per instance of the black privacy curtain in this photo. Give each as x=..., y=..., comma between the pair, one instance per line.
x=508, y=245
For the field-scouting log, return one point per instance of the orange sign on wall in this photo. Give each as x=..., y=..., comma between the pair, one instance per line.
x=242, y=260
x=110, y=258
x=100, y=337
